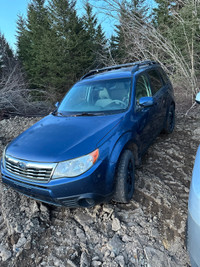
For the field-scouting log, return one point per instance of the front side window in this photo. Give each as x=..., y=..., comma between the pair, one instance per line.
x=97, y=97
x=156, y=83
x=142, y=88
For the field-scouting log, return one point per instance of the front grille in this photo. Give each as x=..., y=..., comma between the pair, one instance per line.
x=40, y=172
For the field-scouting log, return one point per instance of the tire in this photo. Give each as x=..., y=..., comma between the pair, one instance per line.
x=125, y=178
x=170, y=121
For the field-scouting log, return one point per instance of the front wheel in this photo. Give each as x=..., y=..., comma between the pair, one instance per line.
x=170, y=121
x=125, y=178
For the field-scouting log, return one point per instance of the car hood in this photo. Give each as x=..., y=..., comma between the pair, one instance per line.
x=55, y=139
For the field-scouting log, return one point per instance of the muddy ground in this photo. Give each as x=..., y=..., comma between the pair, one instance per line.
x=150, y=231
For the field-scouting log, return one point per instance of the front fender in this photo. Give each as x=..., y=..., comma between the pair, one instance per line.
x=120, y=144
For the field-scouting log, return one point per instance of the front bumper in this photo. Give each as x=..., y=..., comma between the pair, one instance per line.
x=86, y=190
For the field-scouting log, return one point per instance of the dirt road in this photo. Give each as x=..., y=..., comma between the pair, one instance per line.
x=150, y=231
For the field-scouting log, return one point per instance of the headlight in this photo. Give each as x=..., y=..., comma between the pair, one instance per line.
x=75, y=167
x=4, y=157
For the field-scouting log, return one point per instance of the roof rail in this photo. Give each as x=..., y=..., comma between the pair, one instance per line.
x=115, y=67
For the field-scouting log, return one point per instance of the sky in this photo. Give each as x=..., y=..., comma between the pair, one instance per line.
x=10, y=9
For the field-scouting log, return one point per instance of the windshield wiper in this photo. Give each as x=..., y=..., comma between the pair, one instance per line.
x=77, y=114
x=56, y=113
x=87, y=114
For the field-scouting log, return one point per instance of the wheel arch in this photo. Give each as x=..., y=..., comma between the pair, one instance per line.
x=123, y=143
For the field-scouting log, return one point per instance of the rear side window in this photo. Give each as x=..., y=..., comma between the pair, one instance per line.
x=155, y=80
x=164, y=76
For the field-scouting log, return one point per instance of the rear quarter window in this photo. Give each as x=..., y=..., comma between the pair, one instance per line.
x=164, y=76
x=155, y=80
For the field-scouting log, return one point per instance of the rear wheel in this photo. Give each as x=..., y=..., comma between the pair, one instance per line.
x=170, y=122
x=125, y=178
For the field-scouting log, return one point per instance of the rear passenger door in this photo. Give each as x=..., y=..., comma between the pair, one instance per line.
x=157, y=89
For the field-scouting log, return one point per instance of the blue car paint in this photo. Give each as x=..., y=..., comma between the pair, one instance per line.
x=55, y=139
x=194, y=214
x=73, y=136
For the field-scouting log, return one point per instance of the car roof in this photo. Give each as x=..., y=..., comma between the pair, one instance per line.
x=118, y=71
x=112, y=74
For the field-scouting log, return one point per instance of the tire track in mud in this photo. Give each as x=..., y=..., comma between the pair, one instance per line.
x=162, y=185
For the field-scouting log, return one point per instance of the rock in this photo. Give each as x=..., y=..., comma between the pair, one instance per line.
x=43, y=208
x=5, y=254
x=71, y=264
x=34, y=208
x=115, y=244
x=112, y=254
x=166, y=244
x=14, y=238
x=107, y=254
x=21, y=242
x=38, y=260
x=108, y=209
x=126, y=239
x=116, y=224
x=156, y=257
x=44, y=263
x=96, y=258
x=120, y=260
x=84, y=218
x=80, y=235
x=84, y=262
x=96, y=263
x=57, y=262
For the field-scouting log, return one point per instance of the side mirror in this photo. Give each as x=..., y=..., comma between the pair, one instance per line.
x=146, y=101
x=198, y=98
x=57, y=104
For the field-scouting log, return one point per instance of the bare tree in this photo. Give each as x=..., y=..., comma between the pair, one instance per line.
x=143, y=41
x=17, y=99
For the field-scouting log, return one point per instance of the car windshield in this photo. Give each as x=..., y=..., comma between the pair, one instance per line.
x=97, y=97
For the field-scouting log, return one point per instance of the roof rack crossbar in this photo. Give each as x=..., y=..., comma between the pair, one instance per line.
x=115, y=67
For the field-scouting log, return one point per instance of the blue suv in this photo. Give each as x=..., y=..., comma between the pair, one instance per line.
x=85, y=152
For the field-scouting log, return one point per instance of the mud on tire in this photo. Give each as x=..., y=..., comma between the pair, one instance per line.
x=125, y=178
x=170, y=121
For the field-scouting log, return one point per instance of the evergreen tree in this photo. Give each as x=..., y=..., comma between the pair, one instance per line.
x=95, y=41
x=69, y=40
x=23, y=43
x=163, y=18
x=33, y=36
x=178, y=22
x=162, y=13
x=90, y=24
x=7, y=58
x=117, y=45
x=38, y=32
x=55, y=46
x=136, y=8
x=101, y=47
x=185, y=33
